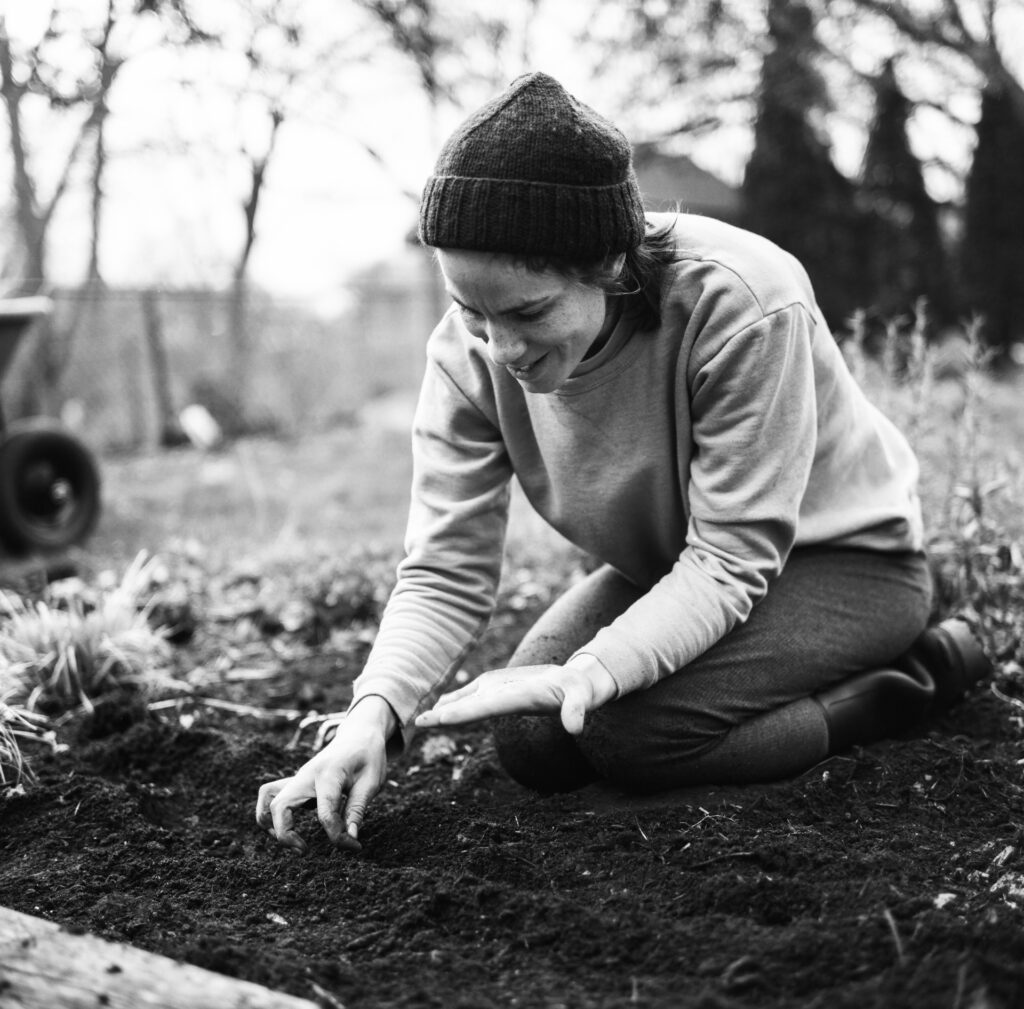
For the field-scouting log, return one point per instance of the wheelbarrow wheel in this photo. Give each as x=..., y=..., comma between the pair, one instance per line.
x=49, y=488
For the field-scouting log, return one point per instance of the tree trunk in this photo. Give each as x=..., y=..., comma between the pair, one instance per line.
x=99, y=167
x=169, y=432
x=239, y=337
x=239, y=343
x=43, y=361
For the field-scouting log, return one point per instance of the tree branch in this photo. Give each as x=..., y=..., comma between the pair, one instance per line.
x=109, y=68
x=26, y=201
x=951, y=33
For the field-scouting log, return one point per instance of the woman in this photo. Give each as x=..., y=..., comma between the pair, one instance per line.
x=670, y=398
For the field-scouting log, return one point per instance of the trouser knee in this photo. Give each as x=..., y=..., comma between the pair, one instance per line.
x=645, y=754
x=537, y=752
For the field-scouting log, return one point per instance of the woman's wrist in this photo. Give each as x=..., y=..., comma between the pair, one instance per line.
x=604, y=685
x=373, y=712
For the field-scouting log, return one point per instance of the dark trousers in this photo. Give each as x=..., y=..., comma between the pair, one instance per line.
x=741, y=712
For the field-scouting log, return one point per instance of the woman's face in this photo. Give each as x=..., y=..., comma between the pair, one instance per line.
x=539, y=326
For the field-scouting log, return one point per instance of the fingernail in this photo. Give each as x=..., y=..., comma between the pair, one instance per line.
x=349, y=839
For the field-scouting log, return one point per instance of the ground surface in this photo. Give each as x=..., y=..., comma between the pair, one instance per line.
x=893, y=876
x=890, y=877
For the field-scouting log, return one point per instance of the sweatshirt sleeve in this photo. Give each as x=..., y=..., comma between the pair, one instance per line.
x=454, y=541
x=753, y=418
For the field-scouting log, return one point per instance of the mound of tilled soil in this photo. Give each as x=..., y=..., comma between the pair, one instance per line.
x=893, y=876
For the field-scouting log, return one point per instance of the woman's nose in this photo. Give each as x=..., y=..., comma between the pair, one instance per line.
x=504, y=346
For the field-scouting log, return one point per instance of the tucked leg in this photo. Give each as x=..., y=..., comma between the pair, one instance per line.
x=743, y=710
x=535, y=749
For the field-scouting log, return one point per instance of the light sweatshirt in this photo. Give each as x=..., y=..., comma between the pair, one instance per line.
x=692, y=458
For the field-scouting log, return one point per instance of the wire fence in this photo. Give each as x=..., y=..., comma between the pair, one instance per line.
x=129, y=356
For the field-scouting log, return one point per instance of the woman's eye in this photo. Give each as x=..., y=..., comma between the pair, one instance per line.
x=531, y=316
x=474, y=322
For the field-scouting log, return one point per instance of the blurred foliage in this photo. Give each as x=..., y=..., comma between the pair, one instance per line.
x=792, y=191
x=972, y=478
x=309, y=602
x=992, y=253
x=908, y=256
x=801, y=74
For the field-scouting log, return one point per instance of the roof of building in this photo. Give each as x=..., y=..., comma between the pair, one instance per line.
x=672, y=181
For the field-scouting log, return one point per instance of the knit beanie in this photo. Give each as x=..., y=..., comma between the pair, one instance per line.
x=534, y=172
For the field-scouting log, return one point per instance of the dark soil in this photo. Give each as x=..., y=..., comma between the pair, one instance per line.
x=892, y=876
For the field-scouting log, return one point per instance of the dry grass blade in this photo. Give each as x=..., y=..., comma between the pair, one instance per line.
x=944, y=396
x=17, y=725
x=12, y=764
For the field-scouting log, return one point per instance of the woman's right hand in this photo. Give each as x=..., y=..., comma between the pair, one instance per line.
x=342, y=779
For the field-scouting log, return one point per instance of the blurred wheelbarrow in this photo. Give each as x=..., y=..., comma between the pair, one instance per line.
x=49, y=480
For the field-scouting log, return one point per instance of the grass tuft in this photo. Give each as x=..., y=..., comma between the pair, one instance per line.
x=61, y=652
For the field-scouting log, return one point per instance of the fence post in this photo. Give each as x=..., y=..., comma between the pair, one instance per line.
x=169, y=432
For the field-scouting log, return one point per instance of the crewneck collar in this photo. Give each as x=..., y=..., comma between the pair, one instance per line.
x=618, y=350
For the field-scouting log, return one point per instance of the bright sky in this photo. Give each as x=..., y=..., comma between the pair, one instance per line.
x=329, y=208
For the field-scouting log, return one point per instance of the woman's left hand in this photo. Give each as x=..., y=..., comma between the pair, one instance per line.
x=580, y=686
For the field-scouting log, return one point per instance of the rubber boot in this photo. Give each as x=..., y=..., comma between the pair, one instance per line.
x=935, y=672
x=954, y=658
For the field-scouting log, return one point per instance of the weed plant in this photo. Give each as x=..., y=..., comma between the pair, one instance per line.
x=945, y=399
x=63, y=651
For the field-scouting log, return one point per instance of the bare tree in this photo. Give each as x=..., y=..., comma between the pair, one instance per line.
x=968, y=28
x=37, y=74
x=32, y=74
x=689, y=67
x=238, y=330
x=29, y=75
x=272, y=78
x=289, y=64
x=414, y=29
x=450, y=50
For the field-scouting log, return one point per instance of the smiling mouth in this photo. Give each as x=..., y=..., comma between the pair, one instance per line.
x=528, y=371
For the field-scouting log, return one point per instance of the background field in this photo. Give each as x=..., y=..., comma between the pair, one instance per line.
x=329, y=494
x=346, y=489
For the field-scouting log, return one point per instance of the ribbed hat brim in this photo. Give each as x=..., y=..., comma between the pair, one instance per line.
x=531, y=218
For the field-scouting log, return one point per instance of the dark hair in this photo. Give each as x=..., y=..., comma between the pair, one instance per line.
x=638, y=282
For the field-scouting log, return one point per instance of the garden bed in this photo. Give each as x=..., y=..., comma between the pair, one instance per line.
x=892, y=876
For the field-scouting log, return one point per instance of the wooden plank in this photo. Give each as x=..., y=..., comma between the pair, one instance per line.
x=43, y=966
